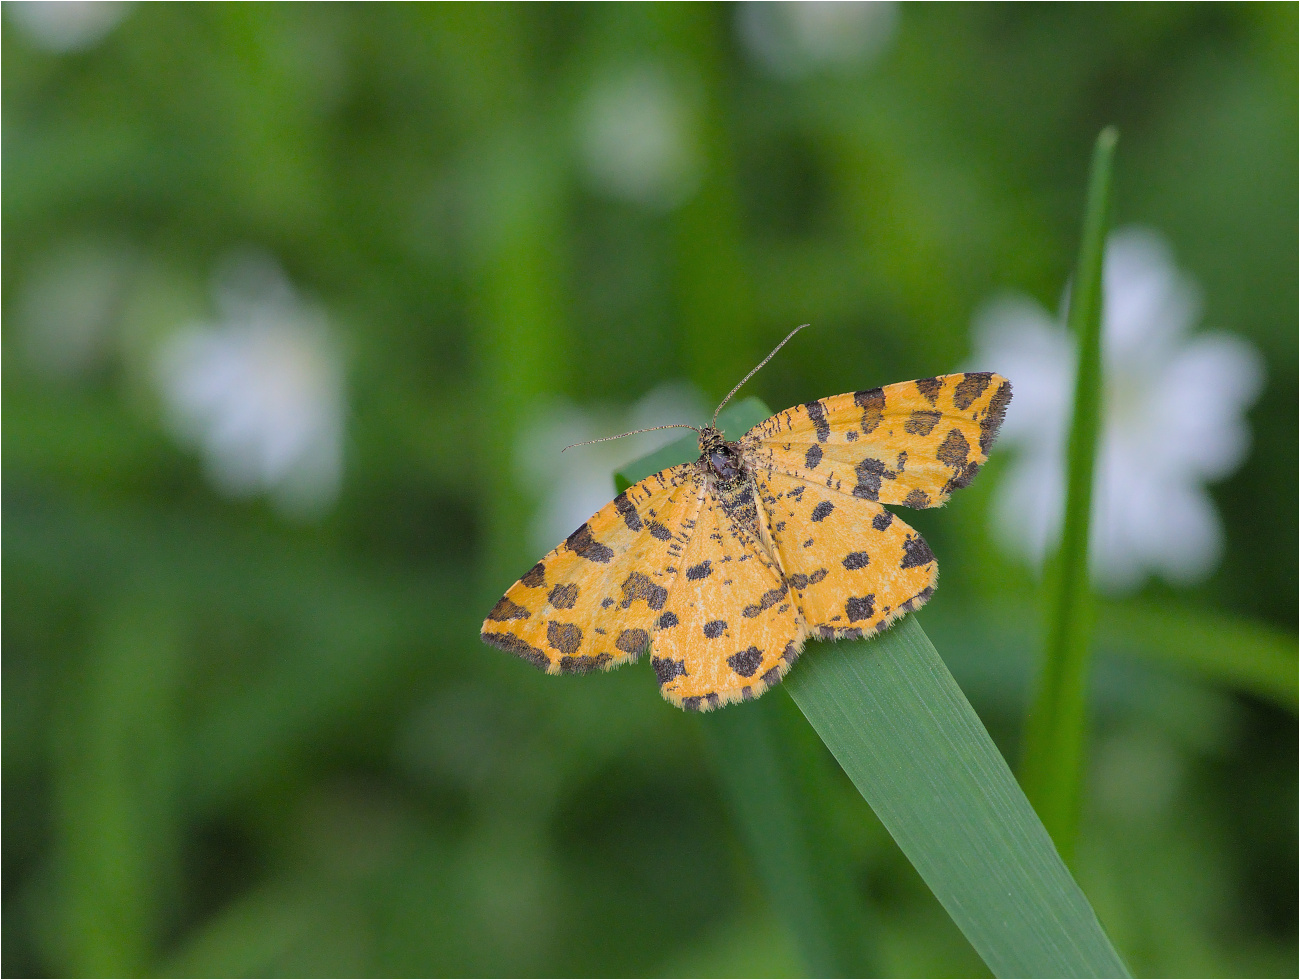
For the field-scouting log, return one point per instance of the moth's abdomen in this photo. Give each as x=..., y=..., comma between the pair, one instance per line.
x=737, y=500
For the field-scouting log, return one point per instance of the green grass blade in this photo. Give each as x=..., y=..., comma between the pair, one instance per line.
x=900, y=726
x=904, y=733
x=1053, y=756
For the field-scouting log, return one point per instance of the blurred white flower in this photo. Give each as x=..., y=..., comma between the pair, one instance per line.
x=68, y=306
x=1172, y=409
x=260, y=391
x=637, y=139
x=580, y=482
x=66, y=25
x=793, y=39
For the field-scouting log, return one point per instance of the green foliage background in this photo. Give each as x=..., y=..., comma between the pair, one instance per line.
x=238, y=744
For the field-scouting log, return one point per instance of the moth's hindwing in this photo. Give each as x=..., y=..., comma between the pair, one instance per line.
x=853, y=566
x=730, y=629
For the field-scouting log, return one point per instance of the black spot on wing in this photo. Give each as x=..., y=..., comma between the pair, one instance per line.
x=659, y=532
x=918, y=600
x=584, y=664
x=870, y=472
x=703, y=570
x=993, y=416
x=513, y=644
x=802, y=581
x=506, y=610
x=632, y=641
x=817, y=415
x=970, y=387
x=536, y=576
x=564, y=637
x=580, y=542
x=638, y=586
x=627, y=509
x=564, y=596
x=855, y=560
x=746, y=662
x=953, y=450
x=666, y=669
x=860, y=607
x=872, y=403
x=769, y=599
x=916, y=552
x=822, y=511
x=921, y=423
x=667, y=620
x=715, y=628
x=917, y=499
x=963, y=478
x=882, y=520
x=929, y=388
x=813, y=457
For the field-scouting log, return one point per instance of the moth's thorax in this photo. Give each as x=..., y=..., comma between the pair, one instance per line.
x=728, y=478
x=721, y=459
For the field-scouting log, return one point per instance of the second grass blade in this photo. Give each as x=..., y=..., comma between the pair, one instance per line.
x=1053, y=757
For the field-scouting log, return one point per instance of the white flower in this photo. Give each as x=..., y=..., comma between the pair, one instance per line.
x=637, y=138
x=580, y=482
x=260, y=391
x=1172, y=419
x=66, y=25
x=793, y=39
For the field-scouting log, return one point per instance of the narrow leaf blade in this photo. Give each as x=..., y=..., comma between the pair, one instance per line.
x=905, y=734
x=1053, y=759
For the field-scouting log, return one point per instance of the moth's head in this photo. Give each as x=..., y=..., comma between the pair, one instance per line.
x=710, y=439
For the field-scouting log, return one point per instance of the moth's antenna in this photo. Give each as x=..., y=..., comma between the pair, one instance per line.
x=755, y=371
x=632, y=433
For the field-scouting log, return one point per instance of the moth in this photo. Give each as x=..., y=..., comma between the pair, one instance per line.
x=723, y=567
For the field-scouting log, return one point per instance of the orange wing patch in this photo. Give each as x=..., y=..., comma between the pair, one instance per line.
x=593, y=602
x=853, y=566
x=730, y=629
x=911, y=443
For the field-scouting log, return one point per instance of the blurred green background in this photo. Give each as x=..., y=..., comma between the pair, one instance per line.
x=248, y=724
